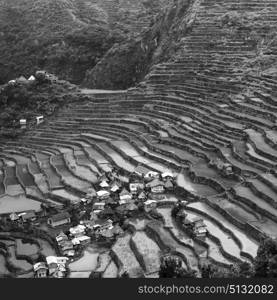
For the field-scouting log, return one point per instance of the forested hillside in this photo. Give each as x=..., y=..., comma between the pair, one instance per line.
x=66, y=37
x=169, y=38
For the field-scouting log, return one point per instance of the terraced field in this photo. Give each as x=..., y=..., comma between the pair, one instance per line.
x=17, y=255
x=197, y=108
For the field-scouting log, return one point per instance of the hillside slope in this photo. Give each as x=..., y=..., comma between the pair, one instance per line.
x=187, y=29
x=65, y=37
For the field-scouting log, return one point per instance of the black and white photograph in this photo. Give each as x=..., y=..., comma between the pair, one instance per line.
x=138, y=139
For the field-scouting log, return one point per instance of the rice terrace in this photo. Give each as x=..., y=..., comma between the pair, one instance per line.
x=159, y=144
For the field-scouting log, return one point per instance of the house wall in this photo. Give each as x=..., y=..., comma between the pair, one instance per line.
x=42, y=273
x=59, y=223
x=157, y=189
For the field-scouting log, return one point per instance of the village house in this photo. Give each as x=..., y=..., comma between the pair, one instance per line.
x=32, y=78
x=81, y=240
x=115, y=186
x=167, y=175
x=39, y=120
x=135, y=187
x=61, y=237
x=22, y=80
x=59, y=219
x=142, y=196
x=86, y=200
x=183, y=203
x=28, y=216
x=91, y=193
x=225, y=168
x=89, y=224
x=13, y=217
x=104, y=184
x=156, y=186
x=98, y=206
x=67, y=249
x=111, y=201
x=77, y=231
x=127, y=207
x=43, y=75
x=55, y=262
x=141, y=171
x=197, y=226
x=182, y=215
x=40, y=270
x=131, y=207
x=93, y=217
x=103, y=194
x=59, y=272
x=151, y=175
x=12, y=82
x=125, y=196
x=103, y=177
x=103, y=225
x=111, y=233
x=105, y=234
x=107, y=231
x=23, y=123
x=168, y=184
x=150, y=205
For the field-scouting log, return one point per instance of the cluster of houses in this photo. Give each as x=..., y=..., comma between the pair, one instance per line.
x=113, y=196
x=54, y=267
x=193, y=224
x=39, y=75
x=23, y=122
x=68, y=244
x=144, y=187
x=226, y=169
x=22, y=80
x=23, y=217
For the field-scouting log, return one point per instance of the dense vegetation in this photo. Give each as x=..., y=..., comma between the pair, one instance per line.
x=64, y=37
x=127, y=63
x=29, y=99
x=265, y=266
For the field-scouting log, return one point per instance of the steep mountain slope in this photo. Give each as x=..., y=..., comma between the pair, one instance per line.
x=185, y=29
x=65, y=37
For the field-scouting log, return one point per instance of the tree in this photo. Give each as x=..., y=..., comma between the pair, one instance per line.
x=175, y=210
x=171, y=267
x=246, y=270
x=125, y=274
x=265, y=261
x=95, y=275
x=242, y=270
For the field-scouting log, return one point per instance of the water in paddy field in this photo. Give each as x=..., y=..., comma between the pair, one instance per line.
x=118, y=159
x=248, y=244
x=111, y=271
x=20, y=263
x=65, y=194
x=26, y=248
x=47, y=249
x=3, y=268
x=20, y=203
x=88, y=262
x=198, y=189
x=253, y=153
x=79, y=274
